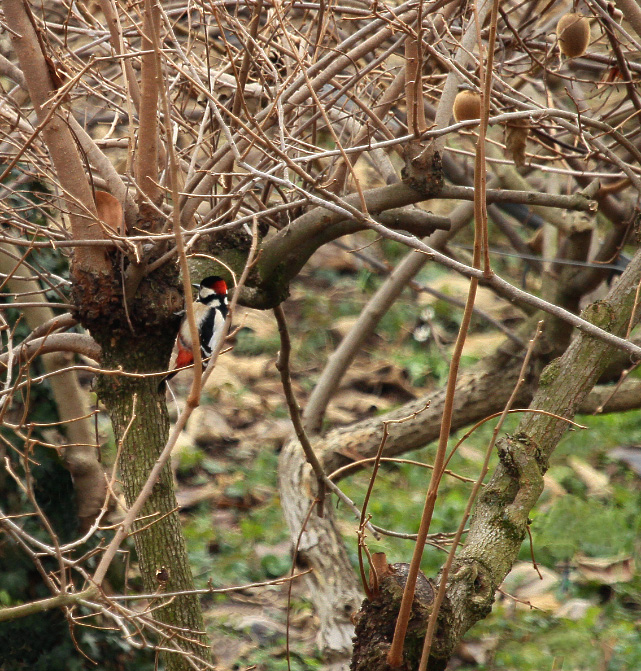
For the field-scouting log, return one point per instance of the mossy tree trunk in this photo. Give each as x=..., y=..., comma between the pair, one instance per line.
x=140, y=341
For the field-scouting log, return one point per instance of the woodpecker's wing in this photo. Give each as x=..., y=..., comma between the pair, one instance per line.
x=211, y=327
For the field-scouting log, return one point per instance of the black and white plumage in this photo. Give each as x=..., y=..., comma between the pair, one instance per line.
x=210, y=311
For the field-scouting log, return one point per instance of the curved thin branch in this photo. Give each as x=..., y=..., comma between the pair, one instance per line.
x=79, y=343
x=63, y=321
x=508, y=290
x=608, y=398
x=60, y=600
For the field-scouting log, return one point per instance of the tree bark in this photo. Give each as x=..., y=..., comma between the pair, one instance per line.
x=147, y=152
x=336, y=592
x=136, y=341
x=138, y=412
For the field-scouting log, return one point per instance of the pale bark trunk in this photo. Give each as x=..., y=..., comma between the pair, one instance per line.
x=332, y=585
x=81, y=453
x=58, y=138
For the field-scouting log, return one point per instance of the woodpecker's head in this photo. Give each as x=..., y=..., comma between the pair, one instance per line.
x=211, y=287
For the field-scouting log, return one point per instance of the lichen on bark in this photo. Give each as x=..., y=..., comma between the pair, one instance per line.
x=601, y=314
x=550, y=373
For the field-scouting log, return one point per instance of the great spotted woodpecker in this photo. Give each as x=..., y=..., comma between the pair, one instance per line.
x=210, y=310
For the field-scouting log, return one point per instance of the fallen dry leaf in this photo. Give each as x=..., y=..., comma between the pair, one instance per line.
x=523, y=582
x=377, y=378
x=208, y=427
x=225, y=374
x=261, y=322
x=275, y=431
x=479, y=344
x=184, y=444
x=188, y=497
x=552, y=487
x=573, y=609
x=343, y=325
x=477, y=652
x=334, y=258
x=360, y=402
x=605, y=570
x=336, y=415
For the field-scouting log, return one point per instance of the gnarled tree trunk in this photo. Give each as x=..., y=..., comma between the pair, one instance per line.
x=139, y=342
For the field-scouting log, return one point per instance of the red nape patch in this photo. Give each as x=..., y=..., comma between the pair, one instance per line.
x=220, y=287
x=215, y=283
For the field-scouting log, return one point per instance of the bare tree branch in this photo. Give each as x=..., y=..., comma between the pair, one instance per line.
x=56, y=134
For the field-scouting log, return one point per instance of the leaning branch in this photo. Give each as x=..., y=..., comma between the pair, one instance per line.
x=58, y=601
x=147, y=154
x=57, y=136
x=79, y=343
x=502, y=514
x=289, y=249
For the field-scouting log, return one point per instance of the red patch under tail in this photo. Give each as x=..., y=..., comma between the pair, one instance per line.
x=184, y=358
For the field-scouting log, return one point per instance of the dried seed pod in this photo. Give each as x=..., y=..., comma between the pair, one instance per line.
x=467, y=105
x=516, y=134
x=573, y=32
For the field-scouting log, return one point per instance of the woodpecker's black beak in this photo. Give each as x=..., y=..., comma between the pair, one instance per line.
x=196, y=286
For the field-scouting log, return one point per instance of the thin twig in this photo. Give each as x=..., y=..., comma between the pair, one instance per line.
x=395, y=654
x=282, y=364
x=440, y=594
x=315, y=502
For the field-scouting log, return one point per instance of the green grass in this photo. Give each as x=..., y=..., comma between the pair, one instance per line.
x=230, y=548
x=575, y=523
x=606, y=637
